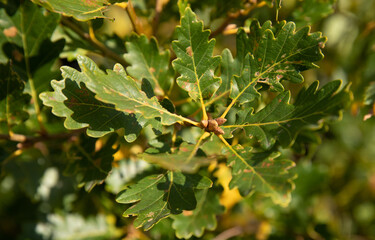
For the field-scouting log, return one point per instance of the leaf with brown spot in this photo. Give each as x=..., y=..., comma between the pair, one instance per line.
x=263, y=172
x=195, y=62
x=270, y=54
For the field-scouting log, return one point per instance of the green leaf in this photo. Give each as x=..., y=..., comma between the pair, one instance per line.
x=24, y=29
x=275, y=54
x=229, y=68
x=194, y=58
x=281, y=121
x=81, y=10
x=115, y=87
x=182, y=5
x=147, y=61
x=158, y=196
x=234, y=68
x=262, y=172
x=311, y=11
x=72, y=100
x=89, y=165
x=240, y=89
x=181, y=159
x=194, y=222
x=12, y=98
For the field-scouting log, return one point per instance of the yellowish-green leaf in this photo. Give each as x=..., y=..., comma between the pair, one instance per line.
x=262, y=172
x=82, y=10
x=115, y=87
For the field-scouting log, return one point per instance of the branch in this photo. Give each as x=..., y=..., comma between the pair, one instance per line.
x=136, y=22
x=235, y=15
x=229, y=233
x=158, y=9
x=27, y=141
x=93, y=41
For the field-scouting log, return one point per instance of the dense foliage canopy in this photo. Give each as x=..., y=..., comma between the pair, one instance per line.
x=164, y=119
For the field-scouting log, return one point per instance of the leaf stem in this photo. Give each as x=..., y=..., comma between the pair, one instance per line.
x=34, y=94
x=90, y=37
x=158, y=9
x=26, y=141
x=208, y=103
x=229, y=146
x=233, y=16
x=229, y=107
x=251, y=168
x=7, y=108
x=87, y=155
x=137, y=24
x=256, y=80
x=238, y=155
x=182, y=101
x=196, y=147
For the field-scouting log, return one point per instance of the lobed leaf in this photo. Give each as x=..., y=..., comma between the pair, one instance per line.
x=194, y=222
x=82, y=10
x=72, y=100
x=194, y=58
x=271, y=54
x=158, y=196
x=115, y=87
x=89, y=165
x=262, y=172
x=147, y=61
x=281, y=121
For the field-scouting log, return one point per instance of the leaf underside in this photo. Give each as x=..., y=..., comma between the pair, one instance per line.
x=72, y=100
x=104, y=102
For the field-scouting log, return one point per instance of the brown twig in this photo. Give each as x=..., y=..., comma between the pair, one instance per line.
x=229, y=233
x=93, y=41
x=235, y=15
x=158, y=9
x=136, y=22
x=27, y=141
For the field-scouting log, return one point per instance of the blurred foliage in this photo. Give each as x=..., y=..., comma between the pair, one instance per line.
x=43, y=185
